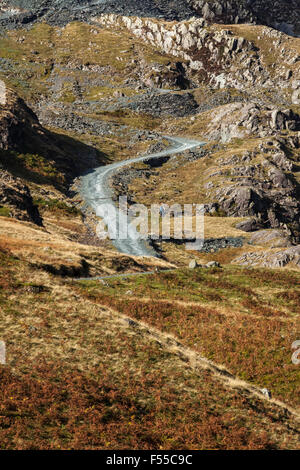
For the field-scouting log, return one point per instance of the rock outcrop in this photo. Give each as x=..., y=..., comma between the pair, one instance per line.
x=240, y=120
x=272, y=238
x=211, y=56
x=271, y=259
x=260, y=185
x=18, y=123
x=21, y=132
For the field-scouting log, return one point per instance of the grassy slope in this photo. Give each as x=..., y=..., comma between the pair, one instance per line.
x=77, y=43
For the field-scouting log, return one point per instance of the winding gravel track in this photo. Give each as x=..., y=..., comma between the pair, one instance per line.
x=96, y=191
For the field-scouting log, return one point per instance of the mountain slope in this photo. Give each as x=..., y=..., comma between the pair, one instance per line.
x=283, y=15
x=84, y=374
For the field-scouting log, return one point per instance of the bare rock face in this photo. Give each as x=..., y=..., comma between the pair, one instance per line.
x=16, y=197
x=270, y=207
x=18, y=123
x=220, y=11
x=286, y=119
x=243, y=201
x=283, y=15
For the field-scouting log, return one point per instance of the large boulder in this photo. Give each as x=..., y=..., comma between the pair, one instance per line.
x=213, y=264
x=243, y=201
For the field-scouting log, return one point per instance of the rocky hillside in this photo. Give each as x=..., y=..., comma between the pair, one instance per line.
x=32, y=155
x=22, y=134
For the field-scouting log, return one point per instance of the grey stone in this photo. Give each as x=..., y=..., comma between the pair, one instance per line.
x=274, y=238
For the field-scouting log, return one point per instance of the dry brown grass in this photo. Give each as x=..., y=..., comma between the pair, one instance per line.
x=58, y=333
x=51, y=249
